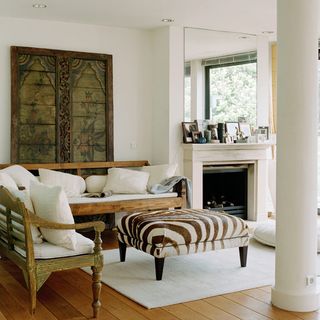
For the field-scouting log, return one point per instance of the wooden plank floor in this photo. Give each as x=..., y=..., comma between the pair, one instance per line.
x=67, y=295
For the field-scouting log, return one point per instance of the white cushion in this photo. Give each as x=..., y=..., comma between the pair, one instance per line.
x=51, y=203
x=24, y=196
x=159, y=173
x=122, y=197
x=73, y=185
x=47, y=250
x=7, y=181
x=96, y=183
x=126, y=181
x=20, y=175
x=265, y=232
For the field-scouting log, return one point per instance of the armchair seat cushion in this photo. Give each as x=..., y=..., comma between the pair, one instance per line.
x=48, y=250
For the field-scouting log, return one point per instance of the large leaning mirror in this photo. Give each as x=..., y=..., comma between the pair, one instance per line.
x=220, y=76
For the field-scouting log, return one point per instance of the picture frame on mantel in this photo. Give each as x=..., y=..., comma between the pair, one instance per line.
x=187, y=129
x=61, y=106
x=245, y=129
x=232, y=128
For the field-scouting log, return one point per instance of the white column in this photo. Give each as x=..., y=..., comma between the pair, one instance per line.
x=296, y=234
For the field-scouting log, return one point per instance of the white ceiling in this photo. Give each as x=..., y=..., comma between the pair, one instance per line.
x=200, y=43
x=248, y=16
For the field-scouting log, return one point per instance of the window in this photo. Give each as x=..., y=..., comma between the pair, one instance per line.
x=231, y=86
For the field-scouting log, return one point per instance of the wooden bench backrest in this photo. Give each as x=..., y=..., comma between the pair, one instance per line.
x=80, y=167
x=15, y=226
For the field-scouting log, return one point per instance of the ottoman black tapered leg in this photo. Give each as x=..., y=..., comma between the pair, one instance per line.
x=243, y=251
x=159, y=262
x=122, y=251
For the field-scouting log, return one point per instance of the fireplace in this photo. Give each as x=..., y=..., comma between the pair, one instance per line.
x=225, y=188
x=248, y=158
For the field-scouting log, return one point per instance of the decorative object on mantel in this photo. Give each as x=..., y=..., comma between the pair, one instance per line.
x=202, y=124
x=214, y=133
x=221, y=132
x=187, y=129
x=196, y=136
x=263, y=134
x=62, y=106
x=202, y=131
x=245, y=129
x=232, y=129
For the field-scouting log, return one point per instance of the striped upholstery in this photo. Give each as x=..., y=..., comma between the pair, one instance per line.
x=182, y=231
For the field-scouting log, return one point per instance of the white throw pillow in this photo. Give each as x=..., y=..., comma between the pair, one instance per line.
x=7, y=181
x=159, y=173
x=126, y=181
x=24, y=196
x=20, y=175
x=96, y=183
x=72, y=185
x=51, y=203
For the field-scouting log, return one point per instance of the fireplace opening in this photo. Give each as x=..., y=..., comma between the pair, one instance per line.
x=226, y=188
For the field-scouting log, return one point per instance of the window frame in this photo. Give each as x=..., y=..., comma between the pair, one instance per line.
x=207, y=69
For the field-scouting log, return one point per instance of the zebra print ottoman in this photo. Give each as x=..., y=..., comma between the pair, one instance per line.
x=165, y=233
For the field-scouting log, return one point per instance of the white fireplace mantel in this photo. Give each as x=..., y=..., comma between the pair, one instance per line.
x=254, y=155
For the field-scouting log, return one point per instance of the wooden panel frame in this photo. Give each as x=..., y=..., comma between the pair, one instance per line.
x=62, y=54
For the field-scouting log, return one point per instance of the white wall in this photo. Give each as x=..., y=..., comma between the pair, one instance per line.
x=168, y=82
x=160, y=102
x=176, y=92
x=132, y=82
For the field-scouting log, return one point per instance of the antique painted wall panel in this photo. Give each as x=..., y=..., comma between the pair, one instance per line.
x=88, y=110
x=61, y=106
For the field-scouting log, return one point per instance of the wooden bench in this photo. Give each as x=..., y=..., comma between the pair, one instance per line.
x=132, y=205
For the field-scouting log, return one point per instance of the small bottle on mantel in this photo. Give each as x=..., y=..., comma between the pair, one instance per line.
x=221, y=132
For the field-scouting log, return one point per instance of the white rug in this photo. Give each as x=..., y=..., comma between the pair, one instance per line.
x=187, y=278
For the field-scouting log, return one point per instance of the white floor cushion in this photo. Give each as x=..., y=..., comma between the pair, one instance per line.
x=265, y=232
x=48, y=250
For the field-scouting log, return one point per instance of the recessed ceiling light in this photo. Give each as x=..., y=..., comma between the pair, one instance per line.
x=243, y=37
x=268, y=32
x=39, y=5
x=167, y=20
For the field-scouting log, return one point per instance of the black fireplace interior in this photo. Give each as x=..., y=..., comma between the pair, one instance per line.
x=225, y=188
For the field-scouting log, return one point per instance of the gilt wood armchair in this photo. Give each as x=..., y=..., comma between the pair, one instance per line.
x=17, y=245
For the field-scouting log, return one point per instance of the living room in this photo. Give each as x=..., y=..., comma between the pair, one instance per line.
x=148, y=106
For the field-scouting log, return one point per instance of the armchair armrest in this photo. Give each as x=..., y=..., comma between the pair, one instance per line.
x=98, y=226
x=43, y=223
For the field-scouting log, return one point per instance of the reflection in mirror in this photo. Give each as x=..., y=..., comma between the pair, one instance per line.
x=220, y=76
